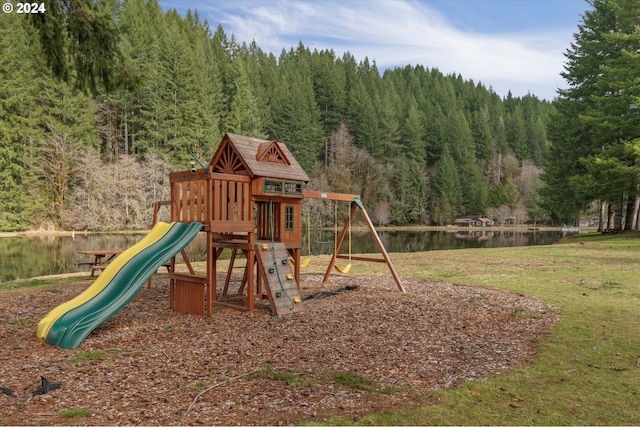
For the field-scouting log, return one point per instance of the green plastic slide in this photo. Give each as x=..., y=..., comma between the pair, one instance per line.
x=77, y=320
x=103, y=279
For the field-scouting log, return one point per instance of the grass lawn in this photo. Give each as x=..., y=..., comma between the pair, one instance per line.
x=587, y=372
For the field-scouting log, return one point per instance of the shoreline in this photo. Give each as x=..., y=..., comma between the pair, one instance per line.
x=416, y=228
x=65, y=233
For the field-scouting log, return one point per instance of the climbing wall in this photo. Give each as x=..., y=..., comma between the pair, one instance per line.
x=275, y=269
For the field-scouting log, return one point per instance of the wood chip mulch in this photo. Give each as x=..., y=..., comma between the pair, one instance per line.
x=364, y=350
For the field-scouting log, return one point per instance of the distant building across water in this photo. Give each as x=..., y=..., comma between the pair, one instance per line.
x=473, y=221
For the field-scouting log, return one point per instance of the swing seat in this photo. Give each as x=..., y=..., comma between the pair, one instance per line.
x=303, y=264
x=344, y=270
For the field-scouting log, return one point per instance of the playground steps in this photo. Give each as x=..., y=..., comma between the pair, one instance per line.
x=275, y=270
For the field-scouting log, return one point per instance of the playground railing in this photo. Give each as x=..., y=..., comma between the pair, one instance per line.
x=220, y=201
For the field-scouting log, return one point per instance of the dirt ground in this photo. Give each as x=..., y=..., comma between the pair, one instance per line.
x=359, y=351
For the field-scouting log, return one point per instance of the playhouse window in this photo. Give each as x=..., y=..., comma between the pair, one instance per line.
x=288, y=218
x=293, y=188
x=282, y=187
x=273, y=186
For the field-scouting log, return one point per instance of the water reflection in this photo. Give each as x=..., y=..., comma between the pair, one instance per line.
x=418, y=241
x=23, y=257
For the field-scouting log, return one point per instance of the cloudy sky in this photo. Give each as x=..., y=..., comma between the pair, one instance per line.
x=515, y=45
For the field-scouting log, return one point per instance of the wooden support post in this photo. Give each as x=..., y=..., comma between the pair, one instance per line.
x=251, y=285
x=296, y=271
x=383, y=251
x=212, y=257
x=156, y=209
x=386, y=259
x=172, y=293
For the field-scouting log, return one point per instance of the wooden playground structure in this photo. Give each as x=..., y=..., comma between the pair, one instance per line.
x=249, y=200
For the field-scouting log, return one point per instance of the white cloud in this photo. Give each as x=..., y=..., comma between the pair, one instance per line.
x=397, y=33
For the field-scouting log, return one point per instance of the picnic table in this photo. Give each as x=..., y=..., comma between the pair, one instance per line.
x=100, y=259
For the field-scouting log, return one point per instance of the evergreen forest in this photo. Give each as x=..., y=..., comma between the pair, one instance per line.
x=101, y=99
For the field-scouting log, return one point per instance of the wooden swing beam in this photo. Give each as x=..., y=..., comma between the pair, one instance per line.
x=355, y=204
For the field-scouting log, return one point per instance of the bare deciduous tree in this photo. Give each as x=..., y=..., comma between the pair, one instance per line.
x=528, y=180
x=118, y=195
x=353, y=170
x=382, y=213
x=500, y=215
x=510, y=167
x=519, y=214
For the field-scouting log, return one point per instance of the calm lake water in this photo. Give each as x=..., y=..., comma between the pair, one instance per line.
x=24, y=257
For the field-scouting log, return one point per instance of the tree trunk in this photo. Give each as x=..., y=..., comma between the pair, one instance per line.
x=636, y=208
x=629, y=223
x=619, y=215
x=126, y=134
x=636, y=212
x=602, y=222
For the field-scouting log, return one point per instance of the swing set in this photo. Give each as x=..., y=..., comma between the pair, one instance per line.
x=307, y=260
x=355, y=204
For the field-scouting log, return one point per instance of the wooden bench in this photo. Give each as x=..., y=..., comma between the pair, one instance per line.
x=83, y=263
x=96, y=267
x=101, y=259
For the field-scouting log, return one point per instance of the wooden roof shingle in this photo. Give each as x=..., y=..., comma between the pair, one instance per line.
x=261, y=158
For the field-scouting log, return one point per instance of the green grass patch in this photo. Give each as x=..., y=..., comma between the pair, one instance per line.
x=292, y=379
x=521, y=313
x=75, y=413
x=88, y=356
x=23, y=285
x=198, y=385
x=586, y=372
x=363, y=383
x=20, y=321
x=354, y=381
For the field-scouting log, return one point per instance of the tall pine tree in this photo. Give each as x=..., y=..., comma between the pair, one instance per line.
x=592, y=154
